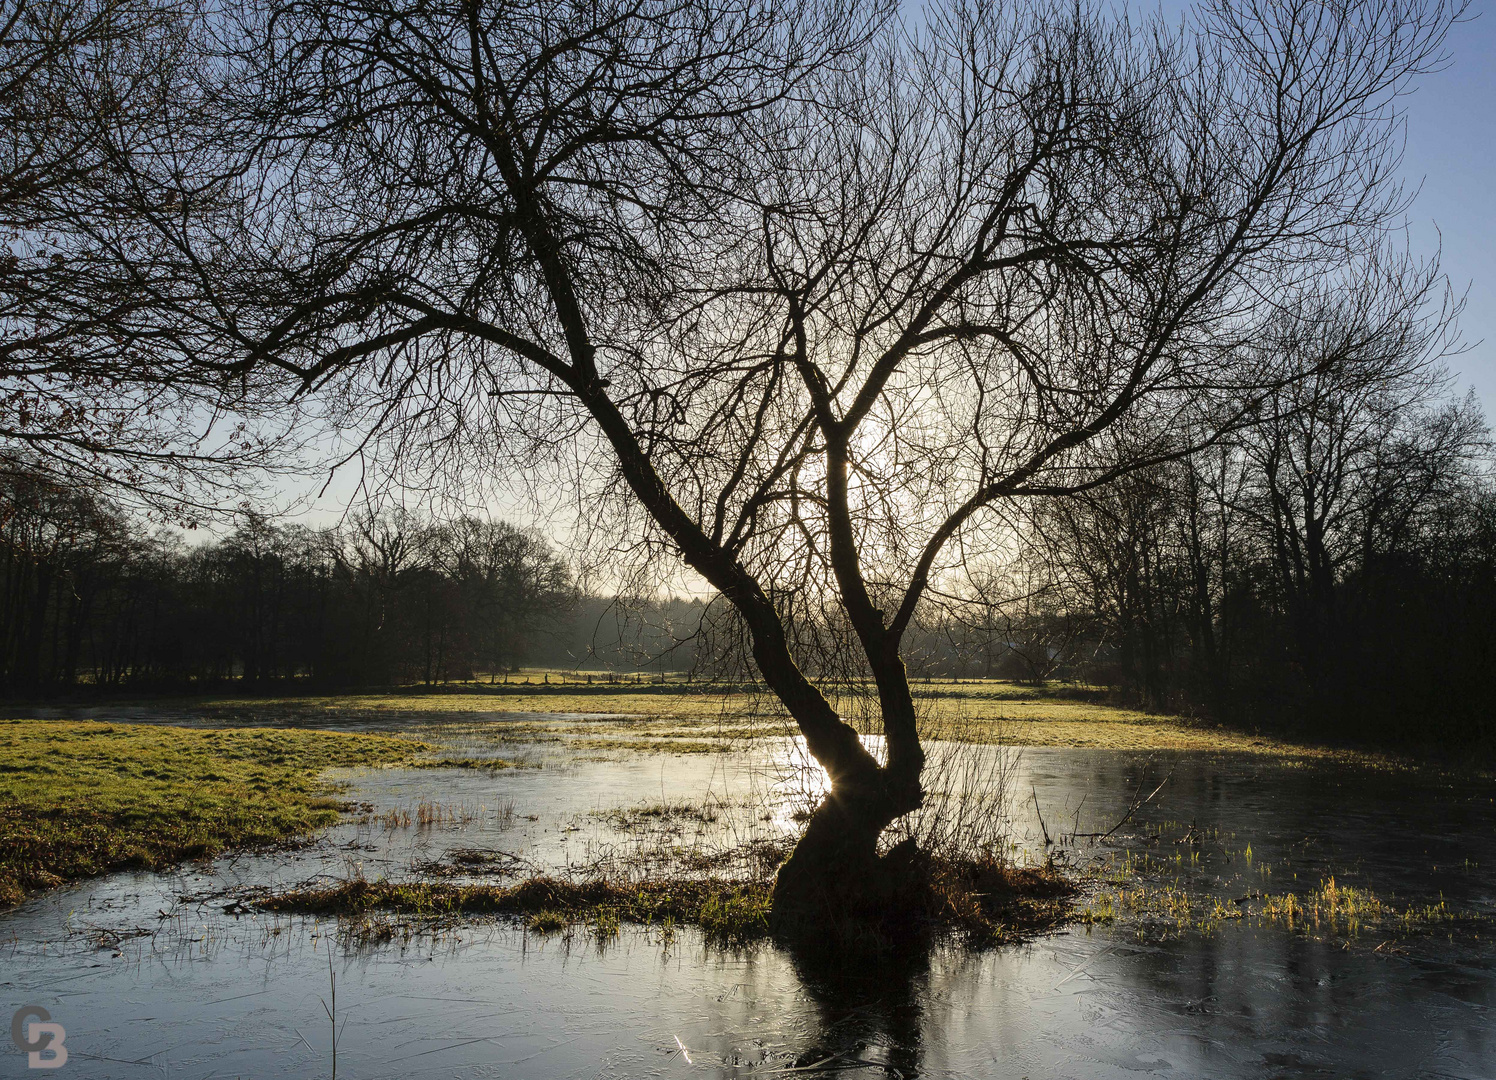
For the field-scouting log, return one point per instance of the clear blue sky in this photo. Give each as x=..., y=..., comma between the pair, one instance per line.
x=1451, y=154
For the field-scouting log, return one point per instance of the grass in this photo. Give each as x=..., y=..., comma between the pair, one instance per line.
x=1344, y=910
x=693, y=718
x=991, y=901
x=482, y=764
x=78, y=798
x=981, y=902
x=634, y=817
x=730, y=913
x=547, y=922
x=1331, y=911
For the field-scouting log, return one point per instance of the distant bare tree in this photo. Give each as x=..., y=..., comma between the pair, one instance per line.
x=1021, y=616
x=1345, y=453
x=800, y=294
x=513, y=582
x=1342, y=463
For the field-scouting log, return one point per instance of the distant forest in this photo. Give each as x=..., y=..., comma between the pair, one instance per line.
x=1333, y=570
x=1375, y=630
x=89, y=597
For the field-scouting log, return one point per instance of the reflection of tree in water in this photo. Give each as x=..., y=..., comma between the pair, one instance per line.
x=870, y=1011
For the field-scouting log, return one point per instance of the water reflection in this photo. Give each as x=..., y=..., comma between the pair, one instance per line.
x=869, y=1009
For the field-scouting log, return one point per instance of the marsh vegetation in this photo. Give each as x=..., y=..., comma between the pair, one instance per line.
x=646, y=874
x=1044, y=341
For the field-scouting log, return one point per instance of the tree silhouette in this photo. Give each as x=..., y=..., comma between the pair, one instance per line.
x=819, y=292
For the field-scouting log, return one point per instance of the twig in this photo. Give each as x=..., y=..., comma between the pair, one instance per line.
x=1047, y=841
x=1075, y=826
x=1133, y=809
x=332, y=1012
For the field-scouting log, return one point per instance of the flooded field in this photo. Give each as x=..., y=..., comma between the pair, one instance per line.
x=1180, y=971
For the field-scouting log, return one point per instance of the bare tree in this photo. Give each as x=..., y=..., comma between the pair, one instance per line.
x=801, y=295
x=1344, y=464
x=91, y=94
x=513, y=581
x=1021, y=616
x=1361, y=439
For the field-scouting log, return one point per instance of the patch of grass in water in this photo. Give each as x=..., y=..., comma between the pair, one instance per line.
x=730, y=913
x=547, y=922
x=736, y=916
x=632, y=817
x=991, y=901
x=78, y=798
x=486, y=764
x=1333, y=911
x=1345, y=910
x=652, y=746
x=982, y=903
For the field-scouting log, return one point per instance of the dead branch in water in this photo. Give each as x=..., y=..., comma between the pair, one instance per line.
x=1137, y=804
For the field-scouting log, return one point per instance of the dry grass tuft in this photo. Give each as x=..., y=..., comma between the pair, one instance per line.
x=990, y=901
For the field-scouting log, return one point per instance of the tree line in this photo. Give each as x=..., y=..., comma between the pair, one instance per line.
x=1332, y=568
x=89, y=596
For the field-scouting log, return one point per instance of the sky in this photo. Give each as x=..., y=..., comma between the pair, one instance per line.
x=1449, y=161
x=1451, y=157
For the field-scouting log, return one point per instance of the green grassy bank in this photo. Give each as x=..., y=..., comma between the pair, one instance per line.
x=688, y=718
x=78, y=798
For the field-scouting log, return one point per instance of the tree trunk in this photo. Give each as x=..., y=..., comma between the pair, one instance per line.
x=835, y=881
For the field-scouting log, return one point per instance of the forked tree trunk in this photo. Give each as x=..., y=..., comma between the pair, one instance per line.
x=835, y=877
x=835, y=871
